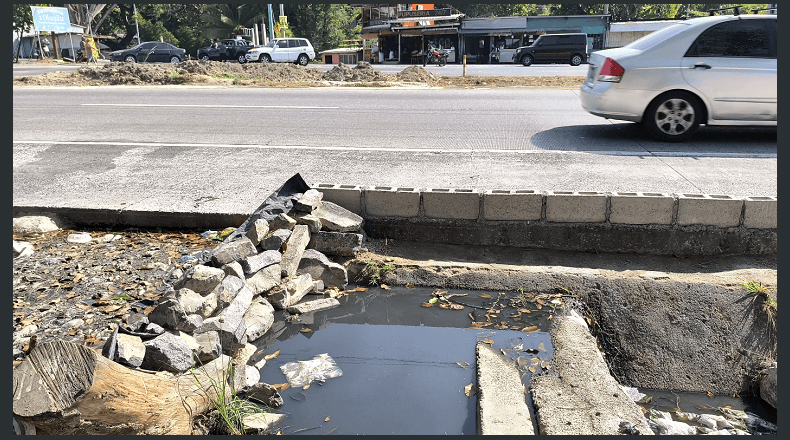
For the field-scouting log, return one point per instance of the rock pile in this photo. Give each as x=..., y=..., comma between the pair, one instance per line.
x=220, y=305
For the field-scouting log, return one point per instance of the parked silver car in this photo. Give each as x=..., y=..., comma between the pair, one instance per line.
x=718, y=70
x=283, y=50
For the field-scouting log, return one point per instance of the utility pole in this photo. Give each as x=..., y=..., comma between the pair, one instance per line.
x=136, y=25
x=271, y=23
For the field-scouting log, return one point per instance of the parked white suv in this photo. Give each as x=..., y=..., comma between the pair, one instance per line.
x=283, y=50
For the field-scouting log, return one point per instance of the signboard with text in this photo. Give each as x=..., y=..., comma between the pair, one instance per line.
x=51, y=19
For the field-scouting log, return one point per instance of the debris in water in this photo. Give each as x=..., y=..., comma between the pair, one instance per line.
x=462, y=364
x=470, y=390
x=320, y=368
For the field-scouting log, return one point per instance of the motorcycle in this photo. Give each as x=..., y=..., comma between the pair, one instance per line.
x=436, y=56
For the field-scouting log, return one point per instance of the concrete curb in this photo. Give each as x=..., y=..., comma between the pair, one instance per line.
x=501, y=397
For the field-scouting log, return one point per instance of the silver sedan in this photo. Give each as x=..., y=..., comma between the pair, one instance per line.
x=718, y=70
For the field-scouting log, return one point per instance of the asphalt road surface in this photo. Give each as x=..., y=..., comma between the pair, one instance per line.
x=226, y=149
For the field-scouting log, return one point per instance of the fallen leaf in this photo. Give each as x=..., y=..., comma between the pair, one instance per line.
x=485, y=295
x=541, y=347
x=17, y=363
x=531, y=369
x=426, y=305
x=282, y=386
x=444, y=305
x=409, y=286
x=455, y=306
x=326, y=419
x=385, y=287
x=488, y=341
x=472, y=317
x=470, y=390
x=110, y=309
x=479, y=324
x=78, y=277
x=272, y=356
x=524, y=311
x=305, y=330
x=530, y=329
x=306, y=386
x=709, y=394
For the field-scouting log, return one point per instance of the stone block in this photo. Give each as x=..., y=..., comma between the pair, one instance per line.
x=347, y=196
x=709, y=210
x=233, y=268
x=256, y=262
x=275, y=241
x=232, y=251
x=167, y=352
x=345, y=244
x=201, y=279
x=760, y=212
x=209, y=347
x=309, y=201
x=263, y=280
x=641, y=208
x=314, y=305
x=130, y=350
x=383, y=201
x=227, y=290
x=335, y=218
x=575, y=207
x=258, y=231
x=321, y=268
x=512, y=205
x=312, y=222
x=258, y=318
x=282, y=221
x=293, y=249
x=451, y=203
x=290, y=291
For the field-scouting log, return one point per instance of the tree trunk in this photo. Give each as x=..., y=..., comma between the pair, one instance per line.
x=65, y=388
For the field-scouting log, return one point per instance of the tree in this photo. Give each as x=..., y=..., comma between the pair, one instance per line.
x=225, y=20
x=23, y=22
x=84, y=14
x=325, y=25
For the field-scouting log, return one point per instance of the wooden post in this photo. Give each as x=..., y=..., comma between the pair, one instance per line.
x=464, y=65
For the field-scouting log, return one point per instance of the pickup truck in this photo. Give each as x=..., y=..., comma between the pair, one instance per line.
x=228, y=49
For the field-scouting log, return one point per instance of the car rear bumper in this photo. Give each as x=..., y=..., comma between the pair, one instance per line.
x=605, y=99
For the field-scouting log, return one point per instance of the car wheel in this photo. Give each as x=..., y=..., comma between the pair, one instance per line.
x=242, y=59
x=576, y=60
x=302, y=60
x=265, y=58
x=205, y=57
x=175, y=60
x=526, y=60
x=130, y=58
x=673, y=117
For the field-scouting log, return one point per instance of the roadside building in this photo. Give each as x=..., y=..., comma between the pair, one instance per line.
x=626, y=32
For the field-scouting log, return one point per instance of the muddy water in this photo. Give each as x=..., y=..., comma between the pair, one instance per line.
x=404, y=365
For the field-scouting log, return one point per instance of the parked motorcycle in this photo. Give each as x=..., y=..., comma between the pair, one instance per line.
x=436, y=56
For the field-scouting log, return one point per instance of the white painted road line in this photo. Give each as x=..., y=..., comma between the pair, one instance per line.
x=213, y=106
x=411, y=150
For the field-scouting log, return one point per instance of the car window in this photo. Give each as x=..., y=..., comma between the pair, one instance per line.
x=146, y=46
x=293, y=43
x=162, y=46
x=303, y=43
x=656, y=37
x=282, y=43
x=738, y=38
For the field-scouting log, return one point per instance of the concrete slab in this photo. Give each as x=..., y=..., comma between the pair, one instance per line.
x=759, y=212
x=710, y=210
x=501, y=404
x=512, y=205
x=347, y=196
x=448, y=203
x=383, y=201
x=641, y=208
x=571, y=206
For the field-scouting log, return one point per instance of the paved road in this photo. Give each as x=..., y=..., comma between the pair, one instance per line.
x=225, y=149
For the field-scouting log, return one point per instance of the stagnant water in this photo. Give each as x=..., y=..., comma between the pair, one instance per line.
x=405, y=365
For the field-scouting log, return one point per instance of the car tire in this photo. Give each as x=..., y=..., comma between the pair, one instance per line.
x=242, y=59
x=264, y=58
x=576, y=59
x=673, y=116
x=130, y=58
x=302, y=60
x=205, y=57
x=526, y=60
x=175, y=60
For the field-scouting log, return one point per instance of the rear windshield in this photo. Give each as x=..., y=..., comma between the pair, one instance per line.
x=658, y=36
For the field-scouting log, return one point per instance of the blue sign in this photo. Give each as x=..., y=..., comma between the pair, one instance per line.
x=51, y=19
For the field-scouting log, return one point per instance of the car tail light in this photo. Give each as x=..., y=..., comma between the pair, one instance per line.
x=610, y=71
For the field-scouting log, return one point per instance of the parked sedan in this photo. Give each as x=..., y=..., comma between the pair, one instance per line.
x=718, y=70
x=151, y=51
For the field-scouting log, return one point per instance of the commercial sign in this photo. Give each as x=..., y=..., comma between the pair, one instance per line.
x=51, y=19
x=424, y=13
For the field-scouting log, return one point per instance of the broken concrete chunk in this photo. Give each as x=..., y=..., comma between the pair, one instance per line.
x=263, y=280
x=232, y=251
x=258, y=318
x=263, y=393
x=314, y=305
x=130, y=350
x=37, y=224
x=275, y=241
x=309, y=201
x=311, y=221
x=318, y=286
x=282, y=221
x=321, y=268
x=190, y=301
x=209, y=347
x=336, y=218
x=227, y=290
x=22, y=249
x=171, y=314
x=232, y=334
x=293, y=250
x=233, y=268
x=167, y=352
x=258, y=231
x=290, y=291
x=201, y=279
x=256, y=262
x=344, y=244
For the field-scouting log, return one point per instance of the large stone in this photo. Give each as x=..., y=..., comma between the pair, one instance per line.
x=256, y=262
x=201, y=279
x=238, y=306
x=244, y=376
x=257, y=231
x=37, y=224
x=190, y=301
x=263, y=280
x=282, y=221
x=258, y=318
x=209, y=347
x=312, y=222
x=336, y=218
x=275, y=241
x=232, y=251
x=768, y=386
x=130, y=350
x=344, y=244
x=22, y=249
x=314, y=305
x=321, y=268
x=293, y=250
x=309, y=201
x=227, y=290
x=170, y=314
x=232, y=334
x=290, y=291
x=233, y=268
x=167, y=352
x=261, y=422
x=264, y=393
x=242, y=355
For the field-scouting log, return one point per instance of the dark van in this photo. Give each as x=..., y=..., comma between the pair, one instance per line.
x=554, y=48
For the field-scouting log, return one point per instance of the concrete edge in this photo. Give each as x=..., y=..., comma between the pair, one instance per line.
x=501, y=396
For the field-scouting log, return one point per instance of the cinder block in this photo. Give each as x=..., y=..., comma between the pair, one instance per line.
x=384, y=201
x=571, y=206
x=520, y=204
x=641, y=208
x=347, y=196
x=451, y=203
x=760, y=212
x=710, y=210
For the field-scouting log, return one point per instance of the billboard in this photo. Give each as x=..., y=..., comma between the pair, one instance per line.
x=51, y=19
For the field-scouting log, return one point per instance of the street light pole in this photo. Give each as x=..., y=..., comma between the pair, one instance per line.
x=136, y=25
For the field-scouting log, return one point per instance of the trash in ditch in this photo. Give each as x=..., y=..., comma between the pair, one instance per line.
x=223, y=234
x=462, y=364
x=320, y=368
x=470, y=390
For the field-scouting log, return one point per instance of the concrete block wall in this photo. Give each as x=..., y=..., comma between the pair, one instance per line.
x=620, y=208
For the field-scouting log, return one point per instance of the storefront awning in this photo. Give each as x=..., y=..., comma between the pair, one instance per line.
x=426, y=18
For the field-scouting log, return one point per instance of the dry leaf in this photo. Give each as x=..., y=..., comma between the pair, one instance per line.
x=470, y=390
x=385, y=287
x=455, y=306
x=306, y=386
x=709, y=394
x=472, y=317
x=78, y=277
x=282, y=386
x=326, y=419
x=524, y=311
x=531, y=369
x=272, y=356
x=305, y=330
x=426, y=305
x=485, y=295
x=488, y=341
x=444, y=305
x=409, y=286
x=530, y=329
x=110, y=309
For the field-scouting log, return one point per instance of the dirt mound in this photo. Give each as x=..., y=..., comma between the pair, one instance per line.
x=417, y=74
x=362, y=72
